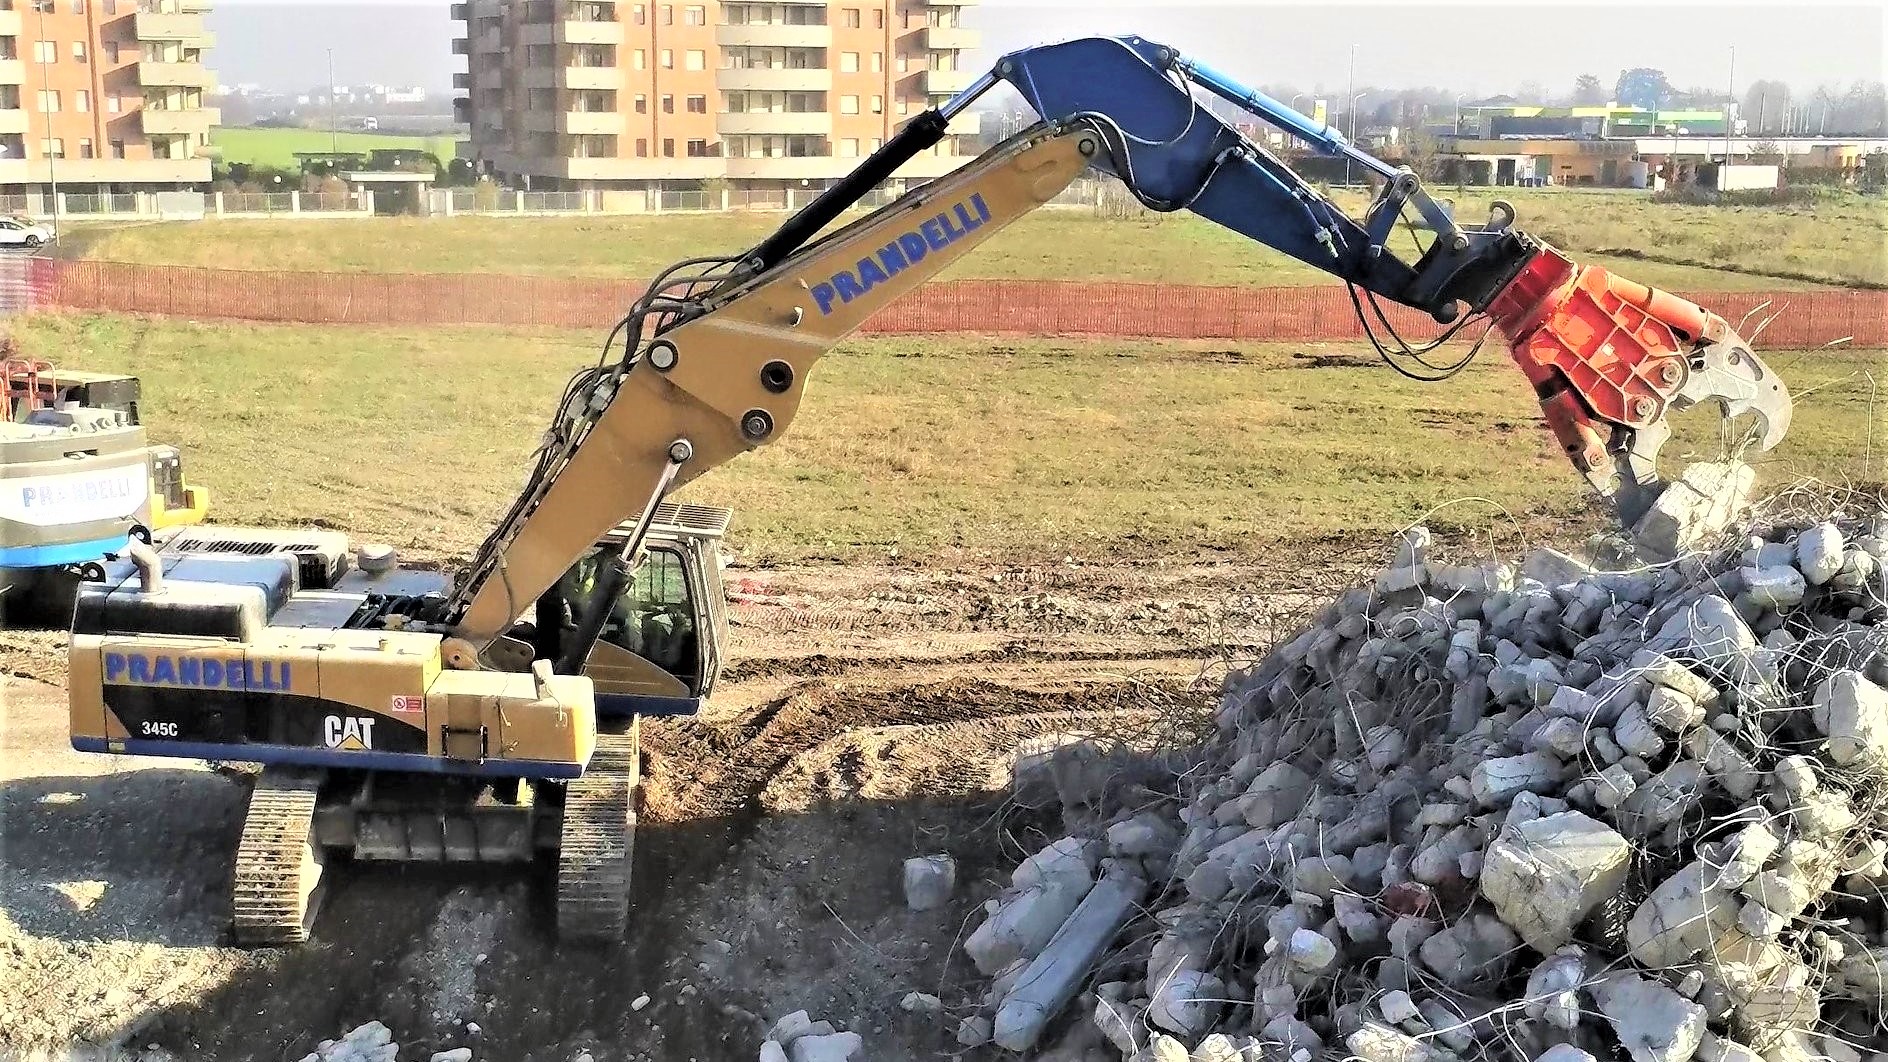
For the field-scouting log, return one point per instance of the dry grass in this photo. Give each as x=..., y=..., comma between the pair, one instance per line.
x=931, y=445
x=1839, y=242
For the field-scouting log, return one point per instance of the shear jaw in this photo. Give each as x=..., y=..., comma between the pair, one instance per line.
x=1724, y=372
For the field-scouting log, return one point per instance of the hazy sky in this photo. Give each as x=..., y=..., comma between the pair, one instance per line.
x=1479, y=48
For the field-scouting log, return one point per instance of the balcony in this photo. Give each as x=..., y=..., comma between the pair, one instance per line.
x=461, y=12
x=621, y=169
x=462, y=109
x=775, y=123
x=12, y=120
x=773, y=35
x=949, y=38
x=176, y=75
x=461, y=46
x=946, y=82
x=949, y=3
x=187, y=121
x=574, y=31
x=462, y=80
x=591, y=77
x=10, y=23
x=108, y=171
x=773, y=79
x=167, y=26
x=814, y=168
x=590, y=123
x=12, y=72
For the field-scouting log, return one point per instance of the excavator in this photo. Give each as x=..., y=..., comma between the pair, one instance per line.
x=491, y=714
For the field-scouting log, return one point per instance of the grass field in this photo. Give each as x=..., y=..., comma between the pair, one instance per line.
x=1844, y=241
x=277, y=147
x=1023, y=448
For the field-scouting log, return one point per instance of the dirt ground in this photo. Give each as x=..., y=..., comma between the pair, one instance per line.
x=867, y=715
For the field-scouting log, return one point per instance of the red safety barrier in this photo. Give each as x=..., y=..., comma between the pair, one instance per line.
x=1018, y=307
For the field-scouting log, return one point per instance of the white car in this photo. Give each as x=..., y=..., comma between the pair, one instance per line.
x=21, y=232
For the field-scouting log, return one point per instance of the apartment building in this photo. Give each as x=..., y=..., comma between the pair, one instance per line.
x=103, y=95
x=767, y=95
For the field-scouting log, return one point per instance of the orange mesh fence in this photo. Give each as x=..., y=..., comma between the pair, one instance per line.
x=1022, y=307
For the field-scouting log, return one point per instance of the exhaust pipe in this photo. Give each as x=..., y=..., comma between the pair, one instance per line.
x=150, y=567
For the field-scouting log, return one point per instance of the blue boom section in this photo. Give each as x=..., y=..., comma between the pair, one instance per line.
x=1174, y=153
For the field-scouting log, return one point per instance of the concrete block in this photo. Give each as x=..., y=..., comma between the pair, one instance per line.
x=928, y=881
x=1653, y=1023
x=1187, y=1004
x=1544, y=877
x=1694, y=509
x=1496, y=782
x=1853, y=713
x=1773, y=588
x=1476, y=948
x=1052, y=978
x=1026, y=921
x=1681, y=918
x=1819, y=553
x=1277, y=795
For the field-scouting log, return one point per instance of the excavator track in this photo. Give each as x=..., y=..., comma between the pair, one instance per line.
x=278, y=864
x=597, y=841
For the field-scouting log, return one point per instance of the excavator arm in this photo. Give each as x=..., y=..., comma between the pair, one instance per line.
x=717, y=351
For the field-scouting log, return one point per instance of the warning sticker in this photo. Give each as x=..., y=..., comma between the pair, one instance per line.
x=409, y=704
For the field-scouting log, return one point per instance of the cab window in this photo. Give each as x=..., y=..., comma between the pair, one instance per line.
x=655, y=617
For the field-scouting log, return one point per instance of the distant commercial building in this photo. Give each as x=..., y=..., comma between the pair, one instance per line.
x=768, y=96
x=1599, y=120
x=1647, y=161
x=104, y=95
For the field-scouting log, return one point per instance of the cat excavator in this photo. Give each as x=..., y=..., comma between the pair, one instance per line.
x=491, y=714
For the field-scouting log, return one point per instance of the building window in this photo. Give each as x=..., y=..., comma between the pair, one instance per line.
x=668, y=104
x=878, y=62
x=113, y=104
x=82, y=102
x=848, y=105
x=45, y=51
x=111, y=51
x=878, y=18
x=54, y=148
x=117, y=147
x=695, y=59
x=695, y=15
x=639, y=60
x=638, y=16
x=668, y=148
x=874, y=144
x=48, y=101
x=849, y=148
x=668, y=58
x=78, y=8
x=903, y=64
x=85, y=150
x=78, y=51
x=878, y=105
x=698, y=105
x=642, y=149
x=848, y=62
x=850, y=18
x=111, y=7
x=642, y=104
x=668, y=19
x=904, y=106
x=698, y=149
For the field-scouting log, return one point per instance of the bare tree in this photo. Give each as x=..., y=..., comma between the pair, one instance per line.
x=1588, y=91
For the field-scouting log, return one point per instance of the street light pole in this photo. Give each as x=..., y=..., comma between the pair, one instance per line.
x=1351, y=106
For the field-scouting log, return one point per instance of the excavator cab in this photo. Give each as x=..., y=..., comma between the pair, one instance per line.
x=660, y=649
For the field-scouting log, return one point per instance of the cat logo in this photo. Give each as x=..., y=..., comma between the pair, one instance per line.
x=348, y=733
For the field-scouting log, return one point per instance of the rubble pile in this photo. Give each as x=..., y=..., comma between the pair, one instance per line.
x=374, y=1042
x=1553, y=814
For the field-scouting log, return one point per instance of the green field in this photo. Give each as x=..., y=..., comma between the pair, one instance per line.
x=277, y=147
x=1027, y=448
x=1843, y=241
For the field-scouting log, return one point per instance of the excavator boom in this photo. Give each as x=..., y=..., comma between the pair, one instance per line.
x=718, y=353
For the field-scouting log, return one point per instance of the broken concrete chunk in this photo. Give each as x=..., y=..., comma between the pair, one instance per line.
x=1681, y=918
x=1728, y=767
x=1635, y=734
x=1054, y=977
x=1773, y=588
x=1376, y=1042
x=1496, y=782
x=1653, y=1023
x=1853, y=713
x=1187, y=1003
x=1819, y=553
x=1477, y=948
x=1026, y=921
x=928, y=881
x=1563, y=1053
x=1277, y=795
x=1796, y=775
x=833, y=1047
x=1694, y=509
x=1553, y=989
x=1544, y=877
